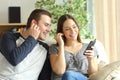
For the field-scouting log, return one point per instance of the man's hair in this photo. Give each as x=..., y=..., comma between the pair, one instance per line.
x=36, y=15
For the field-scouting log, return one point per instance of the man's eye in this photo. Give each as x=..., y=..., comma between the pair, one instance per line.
x=46, y=24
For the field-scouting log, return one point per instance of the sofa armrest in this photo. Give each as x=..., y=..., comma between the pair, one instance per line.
x=108, y=72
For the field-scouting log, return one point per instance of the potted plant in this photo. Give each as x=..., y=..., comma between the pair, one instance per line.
x=76, y=8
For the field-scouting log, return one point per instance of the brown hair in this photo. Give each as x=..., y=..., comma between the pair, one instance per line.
x=60, y=23
x=36, y=15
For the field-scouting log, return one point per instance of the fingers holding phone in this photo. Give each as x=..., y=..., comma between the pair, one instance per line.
x=89, y=51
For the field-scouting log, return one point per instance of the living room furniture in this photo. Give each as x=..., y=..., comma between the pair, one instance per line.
x=9, y=26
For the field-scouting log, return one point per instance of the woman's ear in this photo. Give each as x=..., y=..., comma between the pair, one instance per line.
x=63, y=36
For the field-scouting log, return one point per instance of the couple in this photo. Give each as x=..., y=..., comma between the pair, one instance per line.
x=23, y=56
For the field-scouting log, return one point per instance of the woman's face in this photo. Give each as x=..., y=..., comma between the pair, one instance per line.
x=70, y=30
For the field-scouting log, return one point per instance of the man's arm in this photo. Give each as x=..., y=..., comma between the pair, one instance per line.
x=11, y=52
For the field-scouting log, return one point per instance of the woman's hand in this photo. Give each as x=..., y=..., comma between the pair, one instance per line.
x=59, y=39
x=90, y=53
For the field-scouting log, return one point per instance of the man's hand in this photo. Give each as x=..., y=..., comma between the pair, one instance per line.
x=33, y=31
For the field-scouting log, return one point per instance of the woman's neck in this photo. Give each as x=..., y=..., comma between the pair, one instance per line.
x=71, y=43
x=73, y=46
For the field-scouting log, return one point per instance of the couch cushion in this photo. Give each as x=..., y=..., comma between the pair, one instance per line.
x=109, y=72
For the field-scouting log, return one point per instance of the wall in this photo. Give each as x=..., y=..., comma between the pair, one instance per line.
x=26, y=7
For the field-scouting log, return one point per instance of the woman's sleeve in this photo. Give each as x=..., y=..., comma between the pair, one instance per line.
x=53, y=49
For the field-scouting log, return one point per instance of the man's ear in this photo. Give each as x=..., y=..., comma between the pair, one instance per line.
x=34, y=21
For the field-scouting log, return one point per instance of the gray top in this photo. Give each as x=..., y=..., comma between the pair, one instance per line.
x=76, y=62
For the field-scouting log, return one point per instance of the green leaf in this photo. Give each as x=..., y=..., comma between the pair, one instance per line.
x=77, y=8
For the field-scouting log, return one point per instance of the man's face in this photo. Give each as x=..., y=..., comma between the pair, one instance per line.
x=44, y=25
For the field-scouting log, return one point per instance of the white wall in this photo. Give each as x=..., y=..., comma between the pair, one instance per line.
x=26, y=7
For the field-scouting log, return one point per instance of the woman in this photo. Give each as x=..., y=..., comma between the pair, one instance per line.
x=66, y=57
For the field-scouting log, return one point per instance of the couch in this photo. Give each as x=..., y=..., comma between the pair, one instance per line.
x=109, y=72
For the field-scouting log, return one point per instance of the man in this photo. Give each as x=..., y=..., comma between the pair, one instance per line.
x=23, y=54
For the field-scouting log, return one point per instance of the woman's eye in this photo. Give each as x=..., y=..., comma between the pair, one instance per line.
x=67, y=29
x=74, y=26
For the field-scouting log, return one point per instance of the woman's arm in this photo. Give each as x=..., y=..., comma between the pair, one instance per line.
x=92, y=61
x=57, y=60
x=92, y=65
x=58, y=63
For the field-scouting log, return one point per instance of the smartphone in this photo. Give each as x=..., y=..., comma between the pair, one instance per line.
x=92, y=43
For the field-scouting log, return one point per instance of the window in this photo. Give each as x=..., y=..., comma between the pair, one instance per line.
x=91, y=23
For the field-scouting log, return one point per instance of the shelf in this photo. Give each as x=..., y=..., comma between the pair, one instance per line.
x=9, y=26
x=12, y=24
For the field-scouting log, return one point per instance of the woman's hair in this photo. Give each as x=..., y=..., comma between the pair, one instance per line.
x=36, y=15
x=60, y=23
